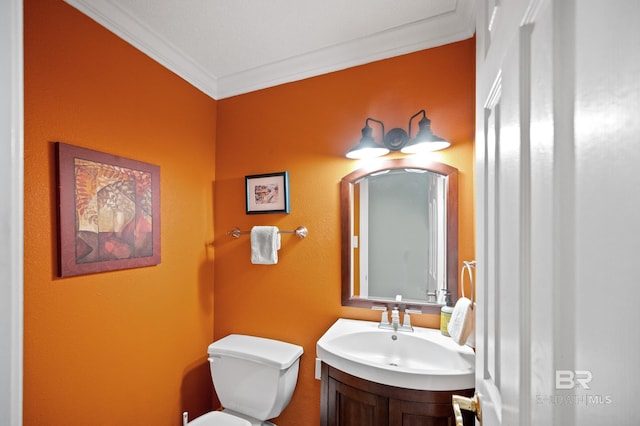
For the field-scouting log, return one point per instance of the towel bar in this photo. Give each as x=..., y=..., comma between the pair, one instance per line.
x=300, y=231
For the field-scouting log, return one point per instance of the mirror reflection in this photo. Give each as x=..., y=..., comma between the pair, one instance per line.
x=399, y=232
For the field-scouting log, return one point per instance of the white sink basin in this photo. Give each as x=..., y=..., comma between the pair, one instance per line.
x=422, y=359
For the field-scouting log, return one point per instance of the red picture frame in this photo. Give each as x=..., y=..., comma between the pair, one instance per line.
x=108, y=212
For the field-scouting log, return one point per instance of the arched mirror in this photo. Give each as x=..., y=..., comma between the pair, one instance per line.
x=399, y=226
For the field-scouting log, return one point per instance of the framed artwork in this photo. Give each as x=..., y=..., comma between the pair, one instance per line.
x=267, y=193
x=108, y=212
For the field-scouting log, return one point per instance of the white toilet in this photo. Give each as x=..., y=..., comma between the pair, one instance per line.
x=254, y=379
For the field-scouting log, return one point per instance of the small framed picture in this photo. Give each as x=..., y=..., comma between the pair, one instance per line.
x=267, y=193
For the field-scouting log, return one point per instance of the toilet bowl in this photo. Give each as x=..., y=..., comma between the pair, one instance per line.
x=254, y=379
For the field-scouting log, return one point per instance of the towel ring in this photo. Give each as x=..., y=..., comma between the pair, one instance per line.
x=468, y=264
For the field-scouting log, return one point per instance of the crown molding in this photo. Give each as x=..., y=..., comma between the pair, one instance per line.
x=148, y=41
x=449, y=27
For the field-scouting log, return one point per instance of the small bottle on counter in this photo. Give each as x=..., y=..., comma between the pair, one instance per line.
x=445, y=315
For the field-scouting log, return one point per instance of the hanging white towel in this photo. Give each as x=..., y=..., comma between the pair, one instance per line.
x=265, y=243
x=462, y=324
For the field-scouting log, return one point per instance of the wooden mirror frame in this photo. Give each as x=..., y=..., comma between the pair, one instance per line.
x=452, y=230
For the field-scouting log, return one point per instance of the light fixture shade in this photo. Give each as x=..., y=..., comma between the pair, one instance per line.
x=367, y=147
x=425, y=140
x=397, y=140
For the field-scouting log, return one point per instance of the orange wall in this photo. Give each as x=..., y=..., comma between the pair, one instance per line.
x=129, y=347
x=124, y=347
x=305, y=128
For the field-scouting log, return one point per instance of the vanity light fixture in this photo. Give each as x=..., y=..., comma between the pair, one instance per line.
x=398, y=140
x=368, y=147
x=425, y=140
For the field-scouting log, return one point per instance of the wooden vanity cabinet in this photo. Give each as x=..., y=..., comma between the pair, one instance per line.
x=347, y=400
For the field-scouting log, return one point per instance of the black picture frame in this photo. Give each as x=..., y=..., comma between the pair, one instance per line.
x=267, y=193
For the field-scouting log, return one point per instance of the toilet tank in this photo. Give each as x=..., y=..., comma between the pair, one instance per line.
x=254, y=376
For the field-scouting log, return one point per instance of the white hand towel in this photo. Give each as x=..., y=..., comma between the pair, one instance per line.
x=462, y=323
x=265, y=243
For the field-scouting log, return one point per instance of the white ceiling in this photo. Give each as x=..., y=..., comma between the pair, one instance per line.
x=230, y=47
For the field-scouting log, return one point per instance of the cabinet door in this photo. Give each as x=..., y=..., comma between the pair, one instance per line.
x=348, y=406
x=409, y=413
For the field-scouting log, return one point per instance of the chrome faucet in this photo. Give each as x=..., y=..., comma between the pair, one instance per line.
x=395, y=323
x=395, y=319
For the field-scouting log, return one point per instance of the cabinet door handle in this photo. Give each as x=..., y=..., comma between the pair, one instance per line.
x=470, y=404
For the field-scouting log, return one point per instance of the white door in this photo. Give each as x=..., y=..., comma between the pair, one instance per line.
x=558, y=211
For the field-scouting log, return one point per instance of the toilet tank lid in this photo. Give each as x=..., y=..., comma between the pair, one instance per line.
x=259, y=349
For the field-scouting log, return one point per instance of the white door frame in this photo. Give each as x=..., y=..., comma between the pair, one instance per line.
x=11, y=211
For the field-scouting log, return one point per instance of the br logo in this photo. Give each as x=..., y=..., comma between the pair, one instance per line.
x=569, y=379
